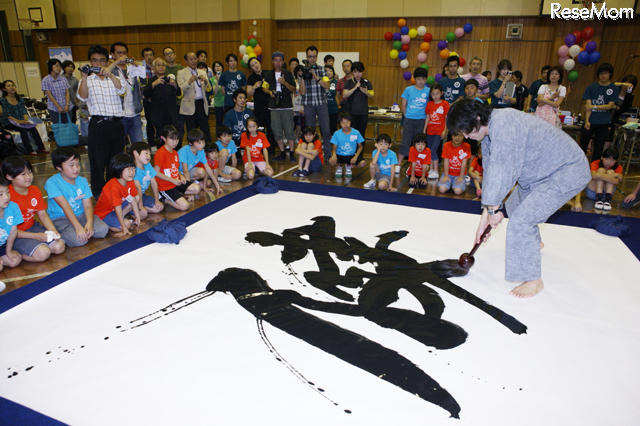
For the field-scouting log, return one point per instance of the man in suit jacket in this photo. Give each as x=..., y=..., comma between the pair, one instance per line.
x=194, y=107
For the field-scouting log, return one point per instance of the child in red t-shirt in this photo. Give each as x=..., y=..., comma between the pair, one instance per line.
x=309, y=152
x=120, y=196
x=456, y=154
x=435, y=125
x=35, y=241
x=171, y=183
x=255, y=154
x=475, y=171
x=606, y=173
x=420, y=160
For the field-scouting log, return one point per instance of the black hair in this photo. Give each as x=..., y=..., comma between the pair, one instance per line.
x=14, y=165
x=229, y=56
x=504, y=63
x=51, y=63
x=419, y=137
x=357, y=66
x=213, y=66
x=630, y=78
x=238, y=92
x=331, y=68
x=384, y=137
x=112, y=49
x=294, y=59
x=309, y=130
x=210, y=147
x=436, y=86
x=610, y=152
x=472, y=82
x=169, y=131
x=139, y=147
x=194, y=135
x=200, y=52
x=453, y=58
x=420, y=72
x=224, y=130
x=62, y=154
x=97, y=49
x=344, y=115
x=67, y=63
x=4, y=182
x=463, y=116
x=202, y=65
x=312, y=48
x=605, y=67
x=118, y=163
x=518, y=74
x=254, y=58
x=347, y=60
x=187, y=54
x=255, y=120
x=327, y=58
x=545, y=68
x=5, y=92
x=559, y=70
x=486, y=73
x=147, y=49
x=298, y=69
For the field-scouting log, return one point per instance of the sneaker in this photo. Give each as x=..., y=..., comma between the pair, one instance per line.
x=371, y=184
x=347, y=171
x=606, y=206
x=397, y=169
x=2, y=286
x=298, y=173
x=281, y=157
x=339, y=171
x=467, y=179
x=433, y=174
x=223, y=179
x=305, y=173
x=599, y=205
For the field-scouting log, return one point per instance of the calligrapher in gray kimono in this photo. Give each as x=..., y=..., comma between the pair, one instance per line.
x=543, y=165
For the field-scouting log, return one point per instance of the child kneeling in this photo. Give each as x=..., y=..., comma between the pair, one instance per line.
x=309, y=152
x=456, y=154
x=420, y=159
x=382, y=165
x=255, y=155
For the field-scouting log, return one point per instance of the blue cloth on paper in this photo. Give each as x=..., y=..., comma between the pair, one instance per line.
x=167, y=232
x=266, y=185
x=613, y=226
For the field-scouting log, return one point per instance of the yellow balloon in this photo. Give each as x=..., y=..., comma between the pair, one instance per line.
x=249, y=50
x=393, y=54
x=453, y=54
x=252, y=55
x=413, y=33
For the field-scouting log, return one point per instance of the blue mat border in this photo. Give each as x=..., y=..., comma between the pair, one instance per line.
x=13, y=413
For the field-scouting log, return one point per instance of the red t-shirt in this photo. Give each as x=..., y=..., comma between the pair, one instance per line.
x=29, y=204
x=113, y=194
x=213, y=164
x=257, y=143
x=420, y=158
x=476, y=165
x=169, y=164
x=594, y=166
x=456, y=156
x=437, y=115
x=317, y=145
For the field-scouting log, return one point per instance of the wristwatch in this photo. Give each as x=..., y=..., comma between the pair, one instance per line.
x=491, y=210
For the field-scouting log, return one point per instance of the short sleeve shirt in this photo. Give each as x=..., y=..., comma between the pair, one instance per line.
x=475, y=163
x=231, y=81
x=358, y=102
x=237, y=122
x=260, y=97
x=386, y=162
x=314, y=93
x=144, y=176
x=317, y=145
x=231, y=147
x=420, y=158
x=452, y=88
x=534, y=90
x=256, y=144
x=74, y=193
x=617, y=168
x=9, y=110
x=169, y=165
x=332, y=104
x=57, y=87
x=114, y=194
x=601, y=95
x=29, y=205
x=186, y=155
x=347, y=143
x=11, y=217
x=456, y=155
x=437, y=117
x=483, y=83
x=494, y=86
x=416, y=102
x=286, y=102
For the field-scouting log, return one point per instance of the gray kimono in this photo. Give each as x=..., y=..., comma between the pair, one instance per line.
x=549, y=169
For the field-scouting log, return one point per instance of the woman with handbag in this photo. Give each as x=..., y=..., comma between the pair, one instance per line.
x=56, y=87
x=13, y=116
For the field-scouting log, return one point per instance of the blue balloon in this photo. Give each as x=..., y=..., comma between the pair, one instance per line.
x=404, y=30
x=570, y=40
x=467, y=28
x=402, y=55
x=396, y=36
x=594, y=57
x=583, y=57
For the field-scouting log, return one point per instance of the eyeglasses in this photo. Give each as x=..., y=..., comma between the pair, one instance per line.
x=312, y=56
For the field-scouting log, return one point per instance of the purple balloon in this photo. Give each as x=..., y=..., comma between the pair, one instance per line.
x=402, y=55
x=396, y=36
x=259, y=57
x=591, y=46
x=438, y=77
x=583, y=57
x=404, y=30
x=442, y=44
x=594, y=57
x=570, y=40
x=406, y=75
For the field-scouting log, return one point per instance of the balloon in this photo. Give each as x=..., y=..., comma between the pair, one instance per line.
x=413, y=33
x=245, y=58
x=404, y=64
x=244, y=64
x=438, y=77
x=573, y=75
x=468, y=28
x=444, y=53
x=424, y=46
x=459, y=32
x=450, y=37
x=252, y=55
x=405, y=39
x=460, y=70
x=594, y=57
x=569, y=64
x=562, y=60
x=425, y=66
x=587, y=33
x=583, y=58
x=253, y=42
x=393, y=54
x=422, y=30
x=260, y=57
x=405, y=47
x=249, y=50
x=242, y=49
x=570, y=40
x=574, y=50
x=422, y=57
x=245, y=42
x=406, y=75
x=402, y=55
x=413, y=80
x=388, y=36
x=251, y=36
x=578, y=36
x=430, y=80
x=563, y=50
x=257, y=50
x=462, y=62
x=397, y=36
x=402, y=22
x=591, y=46
x=442, y=44
x=404, y=30
x=397, y=44
x=453, y=54
x=428, y=37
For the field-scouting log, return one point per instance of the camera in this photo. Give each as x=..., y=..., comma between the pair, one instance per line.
x=277, y=99
x=86, y=69
x=166, y=79
x=304, y=72
x=129, y=60
x=364, y=83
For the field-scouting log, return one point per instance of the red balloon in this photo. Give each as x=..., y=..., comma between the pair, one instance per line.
x=405, y=47
x=587, y=33
x=578, y=35
x=462, y=62
x=388, y=36
x=428, y=37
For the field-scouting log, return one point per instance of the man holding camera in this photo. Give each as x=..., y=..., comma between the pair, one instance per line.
x=260, y=98
x=280, y=85
x=132, y=104
x=194, y=84
x=314, y=98
x=102, y=91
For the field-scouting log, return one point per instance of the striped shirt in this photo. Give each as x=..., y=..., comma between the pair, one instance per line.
x=314, y=94
x=57, y=87
x=104, y=99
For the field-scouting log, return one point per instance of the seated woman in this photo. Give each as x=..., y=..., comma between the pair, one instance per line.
x=163, y=92
x=13, y=115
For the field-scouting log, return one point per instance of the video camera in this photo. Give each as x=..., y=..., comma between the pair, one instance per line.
x=86, y=69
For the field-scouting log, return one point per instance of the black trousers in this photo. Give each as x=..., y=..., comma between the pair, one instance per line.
x=106, y=139
x=359, y=122
x=199, y=120
x=599, y=132
x=24, y=135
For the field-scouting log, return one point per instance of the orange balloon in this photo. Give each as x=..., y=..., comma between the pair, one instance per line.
x=402, y=22
x=413, y=80
x=257, y=50
x=424, y=46
x=444, y=53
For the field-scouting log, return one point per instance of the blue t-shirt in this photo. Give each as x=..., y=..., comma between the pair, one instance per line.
x=601, y=95
x=416, y=102
x=452, y=88
x=347, y=142
x=11, y=217
x=56, y=186
x=494, y=86
x=386, y=162
x=187, y=156
x=231, y=147
x=237, y=122
x=231, y=81
x=144, y=176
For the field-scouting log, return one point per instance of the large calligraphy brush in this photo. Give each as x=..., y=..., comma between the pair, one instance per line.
x=459, y=267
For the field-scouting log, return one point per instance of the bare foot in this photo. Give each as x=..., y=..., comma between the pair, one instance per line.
x=541, y=245
x=528, y=288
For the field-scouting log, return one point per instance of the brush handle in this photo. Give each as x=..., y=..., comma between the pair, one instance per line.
x=482, y=237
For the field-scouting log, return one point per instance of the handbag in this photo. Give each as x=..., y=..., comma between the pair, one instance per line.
x=65, y=134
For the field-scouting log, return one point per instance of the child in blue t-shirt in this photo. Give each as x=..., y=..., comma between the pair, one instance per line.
x=414, y=103
x=194, y=161
x=227, y=150
x=10, y=218
x=347, y=147
x=70, y=206
x=144, y=178
x=382, y=165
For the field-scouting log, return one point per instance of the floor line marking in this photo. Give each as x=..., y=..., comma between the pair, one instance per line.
x=286, y=171
x=26, y=277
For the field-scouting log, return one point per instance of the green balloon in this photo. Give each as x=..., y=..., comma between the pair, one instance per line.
x=451, y=37
x=244, y=64
x=425, y=66
x=573, y=75
x=253, y=42
x=245, y=42
x=397, y=45
x=430, y=80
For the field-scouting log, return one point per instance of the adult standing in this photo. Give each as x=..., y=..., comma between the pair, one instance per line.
x=132, y=102
x=68, y=67
x=452, y=84
x=162, y=92
x=194, y=107
x=497, y=86
x=218, y=93
x=535, y=87
x=148, y=56
x=172, y=69
x=280, y=87
x=56, y=89
x=474, y=73
x=357, y=92
x=550, y=96
x=314, y=99
x=515, y=152
x=346, y=69
x=231, y=81
x=260, y=98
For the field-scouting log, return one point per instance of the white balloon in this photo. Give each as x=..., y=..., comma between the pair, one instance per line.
x=422, y=30
x=460, y=71
x=574, y=50
x=242, y=49
x=404, y=64
x=245, y=58
x=569, y=64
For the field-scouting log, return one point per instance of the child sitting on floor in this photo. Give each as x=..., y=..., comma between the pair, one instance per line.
x=382, y=165
x=455, y=154
x=227, y=150
x=606, y=173
x=211, y=152
x=194, y=161
x=144, y=178
x=475, y=171
x=70, y=206
x=420, y=160
x=35, y=242
x=255, y=153
x=120, y=196
x=10, y=218
x=309, y=152
x=347, y=147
